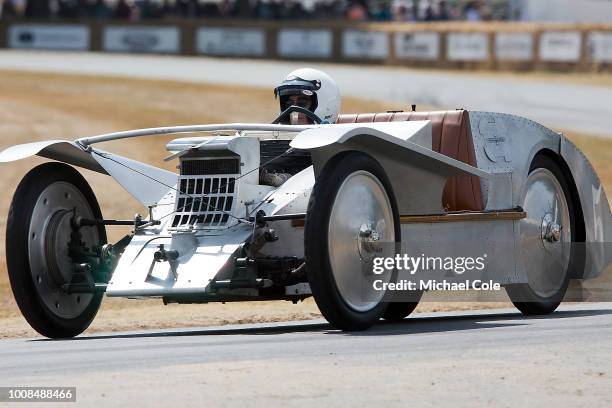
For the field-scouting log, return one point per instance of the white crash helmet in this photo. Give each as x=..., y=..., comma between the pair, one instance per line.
x=317, y=85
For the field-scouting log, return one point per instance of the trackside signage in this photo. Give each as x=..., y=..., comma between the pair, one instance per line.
x=145, y=39
x=49, y=36
x=600, y=46
x=467, y=47
x=231, y=41
x=365, y=44
x=304, y=43
x=560, y=46
x=417, y=46
x=514, y=46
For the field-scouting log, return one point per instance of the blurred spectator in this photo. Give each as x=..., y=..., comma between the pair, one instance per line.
x=210, y=9
x=293, y=10
x=37, y=8
x=357, y=11
x=379, y=10
x=149, y=9
x=101, y=9
x=472, y=11
x=430, y=14
x=443, y=11
x=7, y=8
x=268, y=9
x=435, y=11
x=404, y=11
x=123, y=10
x=67, y=9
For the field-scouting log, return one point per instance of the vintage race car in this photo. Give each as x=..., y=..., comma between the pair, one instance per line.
x=280, y=212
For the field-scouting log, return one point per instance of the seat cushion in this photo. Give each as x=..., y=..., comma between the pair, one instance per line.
x=451, y=136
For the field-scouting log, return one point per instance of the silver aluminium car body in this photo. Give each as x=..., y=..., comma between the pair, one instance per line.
x=505, y=146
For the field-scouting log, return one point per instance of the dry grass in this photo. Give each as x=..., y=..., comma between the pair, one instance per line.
x=49, y=106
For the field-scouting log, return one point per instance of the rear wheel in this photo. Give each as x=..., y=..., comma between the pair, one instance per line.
x=43, y=251
x=352, y=218
x=546, y=237
x=398, y=311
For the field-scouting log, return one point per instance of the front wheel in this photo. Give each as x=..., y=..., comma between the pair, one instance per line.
x=43, y=250
x=351, y=219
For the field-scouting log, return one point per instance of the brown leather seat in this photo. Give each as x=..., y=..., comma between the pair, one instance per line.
x=451, y=136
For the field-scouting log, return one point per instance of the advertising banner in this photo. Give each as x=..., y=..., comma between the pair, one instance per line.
x=304, y=43
x=514, y=46
x=417, y=46
x=467, y=47
x=600, y=46
x=560, y=46
x=365, y=44
x=154, y=39
x=49, y=36
x=247, y=42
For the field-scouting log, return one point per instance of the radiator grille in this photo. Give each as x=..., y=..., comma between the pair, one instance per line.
x=205, y=202
x=197, y=167
x=207, y=193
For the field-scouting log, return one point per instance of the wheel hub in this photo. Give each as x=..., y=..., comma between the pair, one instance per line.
x=368, y=241
x=50, y=234
x=56, y=241
x=551, y=231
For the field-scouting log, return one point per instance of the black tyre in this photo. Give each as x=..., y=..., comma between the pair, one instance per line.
x=546, y=238
x=37, y=255
x=398, y=311
x=352, y=217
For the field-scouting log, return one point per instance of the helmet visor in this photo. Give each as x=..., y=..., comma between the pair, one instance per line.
x=299, y=92
x=297, y=98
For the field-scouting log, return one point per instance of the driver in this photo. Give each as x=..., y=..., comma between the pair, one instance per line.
x=304, y=89
x=312, y=90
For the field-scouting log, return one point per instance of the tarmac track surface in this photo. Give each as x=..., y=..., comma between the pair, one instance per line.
x=454, y=359
x=582, y=108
